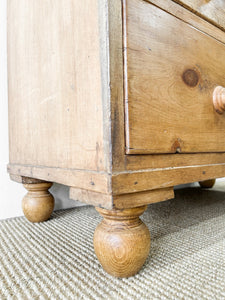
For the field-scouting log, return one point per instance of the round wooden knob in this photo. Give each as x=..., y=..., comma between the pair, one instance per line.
x=219, y=99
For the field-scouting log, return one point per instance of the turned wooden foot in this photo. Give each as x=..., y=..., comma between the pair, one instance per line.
x=122, y=241
x=38, y=203
x=207, y=183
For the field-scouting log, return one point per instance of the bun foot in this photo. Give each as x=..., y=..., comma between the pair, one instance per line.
x=38, y=203
x=207, y=183
x=122, y=241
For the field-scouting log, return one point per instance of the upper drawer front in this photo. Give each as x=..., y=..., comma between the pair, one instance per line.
x=211, y=10
x=171, y=70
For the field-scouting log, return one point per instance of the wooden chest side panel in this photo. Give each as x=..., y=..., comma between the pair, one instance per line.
x=55, y=90
x=213, y=10
x=167, y=110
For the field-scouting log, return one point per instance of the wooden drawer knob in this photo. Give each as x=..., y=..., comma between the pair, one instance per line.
x=219, y=99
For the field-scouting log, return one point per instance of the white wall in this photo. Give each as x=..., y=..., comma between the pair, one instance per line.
x=11, y=193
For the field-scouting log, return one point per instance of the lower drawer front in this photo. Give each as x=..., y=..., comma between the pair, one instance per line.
x=171, y=71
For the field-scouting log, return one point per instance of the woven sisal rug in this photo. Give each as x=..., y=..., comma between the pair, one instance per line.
x=56, y=260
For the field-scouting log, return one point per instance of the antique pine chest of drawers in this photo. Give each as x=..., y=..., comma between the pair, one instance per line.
x=120, y=101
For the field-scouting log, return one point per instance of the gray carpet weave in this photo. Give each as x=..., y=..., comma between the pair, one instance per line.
x=56, y=260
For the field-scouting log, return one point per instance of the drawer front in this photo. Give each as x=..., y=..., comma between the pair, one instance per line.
x=211, y=10
x=171, y=71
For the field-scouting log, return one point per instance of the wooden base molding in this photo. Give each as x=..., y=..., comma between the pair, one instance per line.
x=38, y=203
x=84, y=179
x=108, y=201
x=122, y=241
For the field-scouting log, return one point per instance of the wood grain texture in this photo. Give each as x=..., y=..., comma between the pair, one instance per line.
x=38, y=203
x=188, y=17
x=170, y=81
x=56, y=91
x=91, y=197
x=24, y=180
x=141, y=180
x=155, y=161
x=90, y=180
x=116, y=83
x=122, y=241
x=120, y=161
x=121, y=201
x=212, y=10
x=66, y=97
x=135, y=162
x=142, y=198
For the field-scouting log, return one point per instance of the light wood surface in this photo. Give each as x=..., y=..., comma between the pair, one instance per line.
x=211, y=10
x=38, y=203
x=93, y=198
x=56, y=86
x=25, y=180
x=90, y=180
x=141, y=180
x=116, y=83
x=122, y=241
x=188, y=17
x=135, y=162
x=121, y=201
x=207, y=183
x=142, y=198
x=176, y=165
x=170, y=80
x=141, y=162
x=84, y=147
